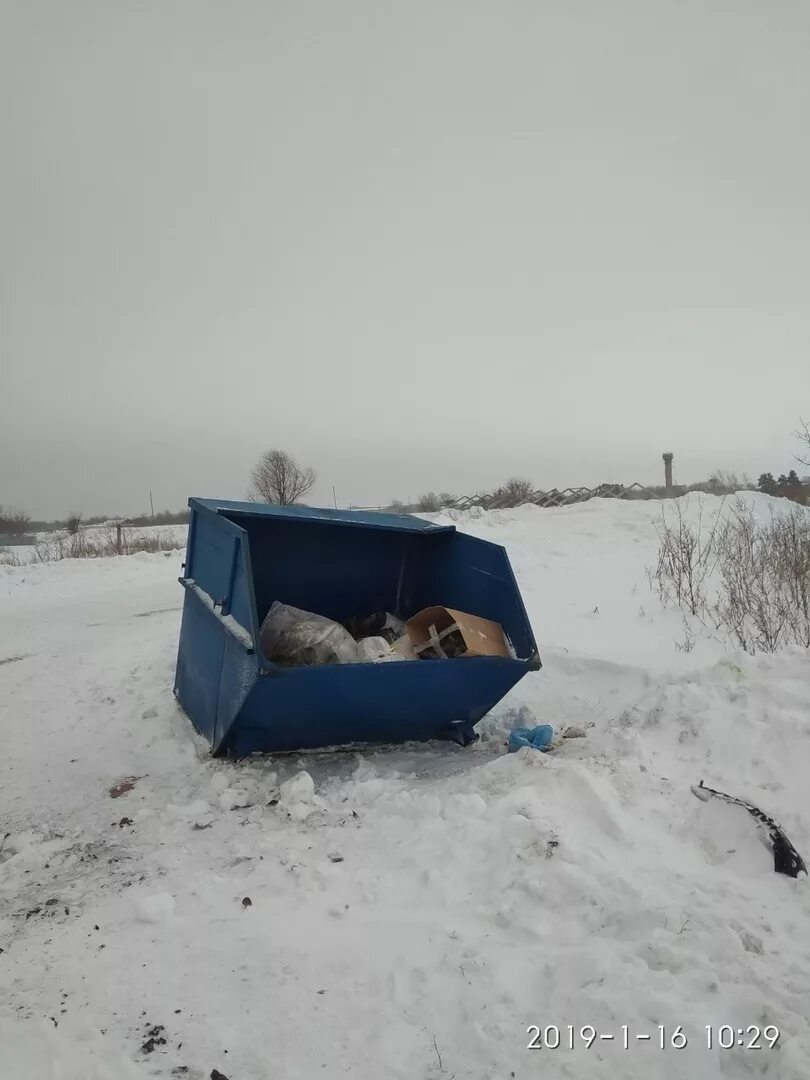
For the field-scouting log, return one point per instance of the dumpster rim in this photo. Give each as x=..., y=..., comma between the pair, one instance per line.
x=368, y=519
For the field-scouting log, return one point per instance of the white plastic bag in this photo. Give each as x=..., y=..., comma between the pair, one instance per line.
x=302, y=638
x=375, y=650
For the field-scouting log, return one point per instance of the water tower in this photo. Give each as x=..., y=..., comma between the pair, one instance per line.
x=668, y=471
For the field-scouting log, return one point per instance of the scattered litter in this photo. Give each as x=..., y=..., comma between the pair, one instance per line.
x=574, y=732
x=123, y=786
x=234, y=799
x=217, y=1075
x=538, y=738
x=155, y=1037
x=335, y=856
x=247, y=902
x=786, y=858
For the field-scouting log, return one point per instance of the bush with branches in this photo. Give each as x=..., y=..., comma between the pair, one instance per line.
x=687, y=556
x=743, y=578
x=429, y=503
x=73, y=523
x=515, y=491
x=99, y=544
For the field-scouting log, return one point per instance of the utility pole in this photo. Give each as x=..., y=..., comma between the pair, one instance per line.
x=151, y=506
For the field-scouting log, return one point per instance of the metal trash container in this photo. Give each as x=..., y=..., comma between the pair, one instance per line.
x=241, y=557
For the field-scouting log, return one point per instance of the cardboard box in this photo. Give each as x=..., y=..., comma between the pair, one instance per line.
x=403, y=647
x=440, y=631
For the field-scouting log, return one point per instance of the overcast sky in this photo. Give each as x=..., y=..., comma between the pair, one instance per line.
x=421, y=245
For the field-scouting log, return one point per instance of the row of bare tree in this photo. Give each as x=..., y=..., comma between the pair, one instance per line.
x=278, y=478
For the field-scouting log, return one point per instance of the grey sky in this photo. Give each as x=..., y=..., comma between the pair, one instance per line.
x=422, y=245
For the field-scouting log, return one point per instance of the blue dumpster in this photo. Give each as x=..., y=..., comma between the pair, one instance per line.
x=241, y=557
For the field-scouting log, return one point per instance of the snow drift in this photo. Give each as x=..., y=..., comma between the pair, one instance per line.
x=411, y=912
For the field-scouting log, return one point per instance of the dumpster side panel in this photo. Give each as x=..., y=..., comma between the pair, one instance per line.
x=302, y=708
x=239, y=673
x=218, y=561
x=210, y=553
x=199, y=664
x=463, y=572
x=334, y=570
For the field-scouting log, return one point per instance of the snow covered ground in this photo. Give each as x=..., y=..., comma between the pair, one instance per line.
x=48, y=543
x=412, y=911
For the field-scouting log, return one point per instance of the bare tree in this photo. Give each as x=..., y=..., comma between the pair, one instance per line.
x=515, y=491
x=13, y=522
x=803, y=434
x=722, y=482
x=430, y=503
x=73, y=523
x=278, y=478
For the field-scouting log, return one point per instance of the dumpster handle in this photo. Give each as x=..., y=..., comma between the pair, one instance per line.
x=234, y=628
x=225, y=604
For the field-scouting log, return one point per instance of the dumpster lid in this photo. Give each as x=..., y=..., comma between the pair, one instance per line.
x=373, y=519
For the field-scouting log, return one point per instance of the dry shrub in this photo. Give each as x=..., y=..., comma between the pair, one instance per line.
x=102, y=544
x=687, y=556
x=758, y=575
x=429, y=503
x=763, y=597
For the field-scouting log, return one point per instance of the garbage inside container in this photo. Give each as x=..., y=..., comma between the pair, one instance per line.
x=245, y=692
x=376, y=650
x=403, y=647
x=377, y=624
x=292, y=636
x=443, y=633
